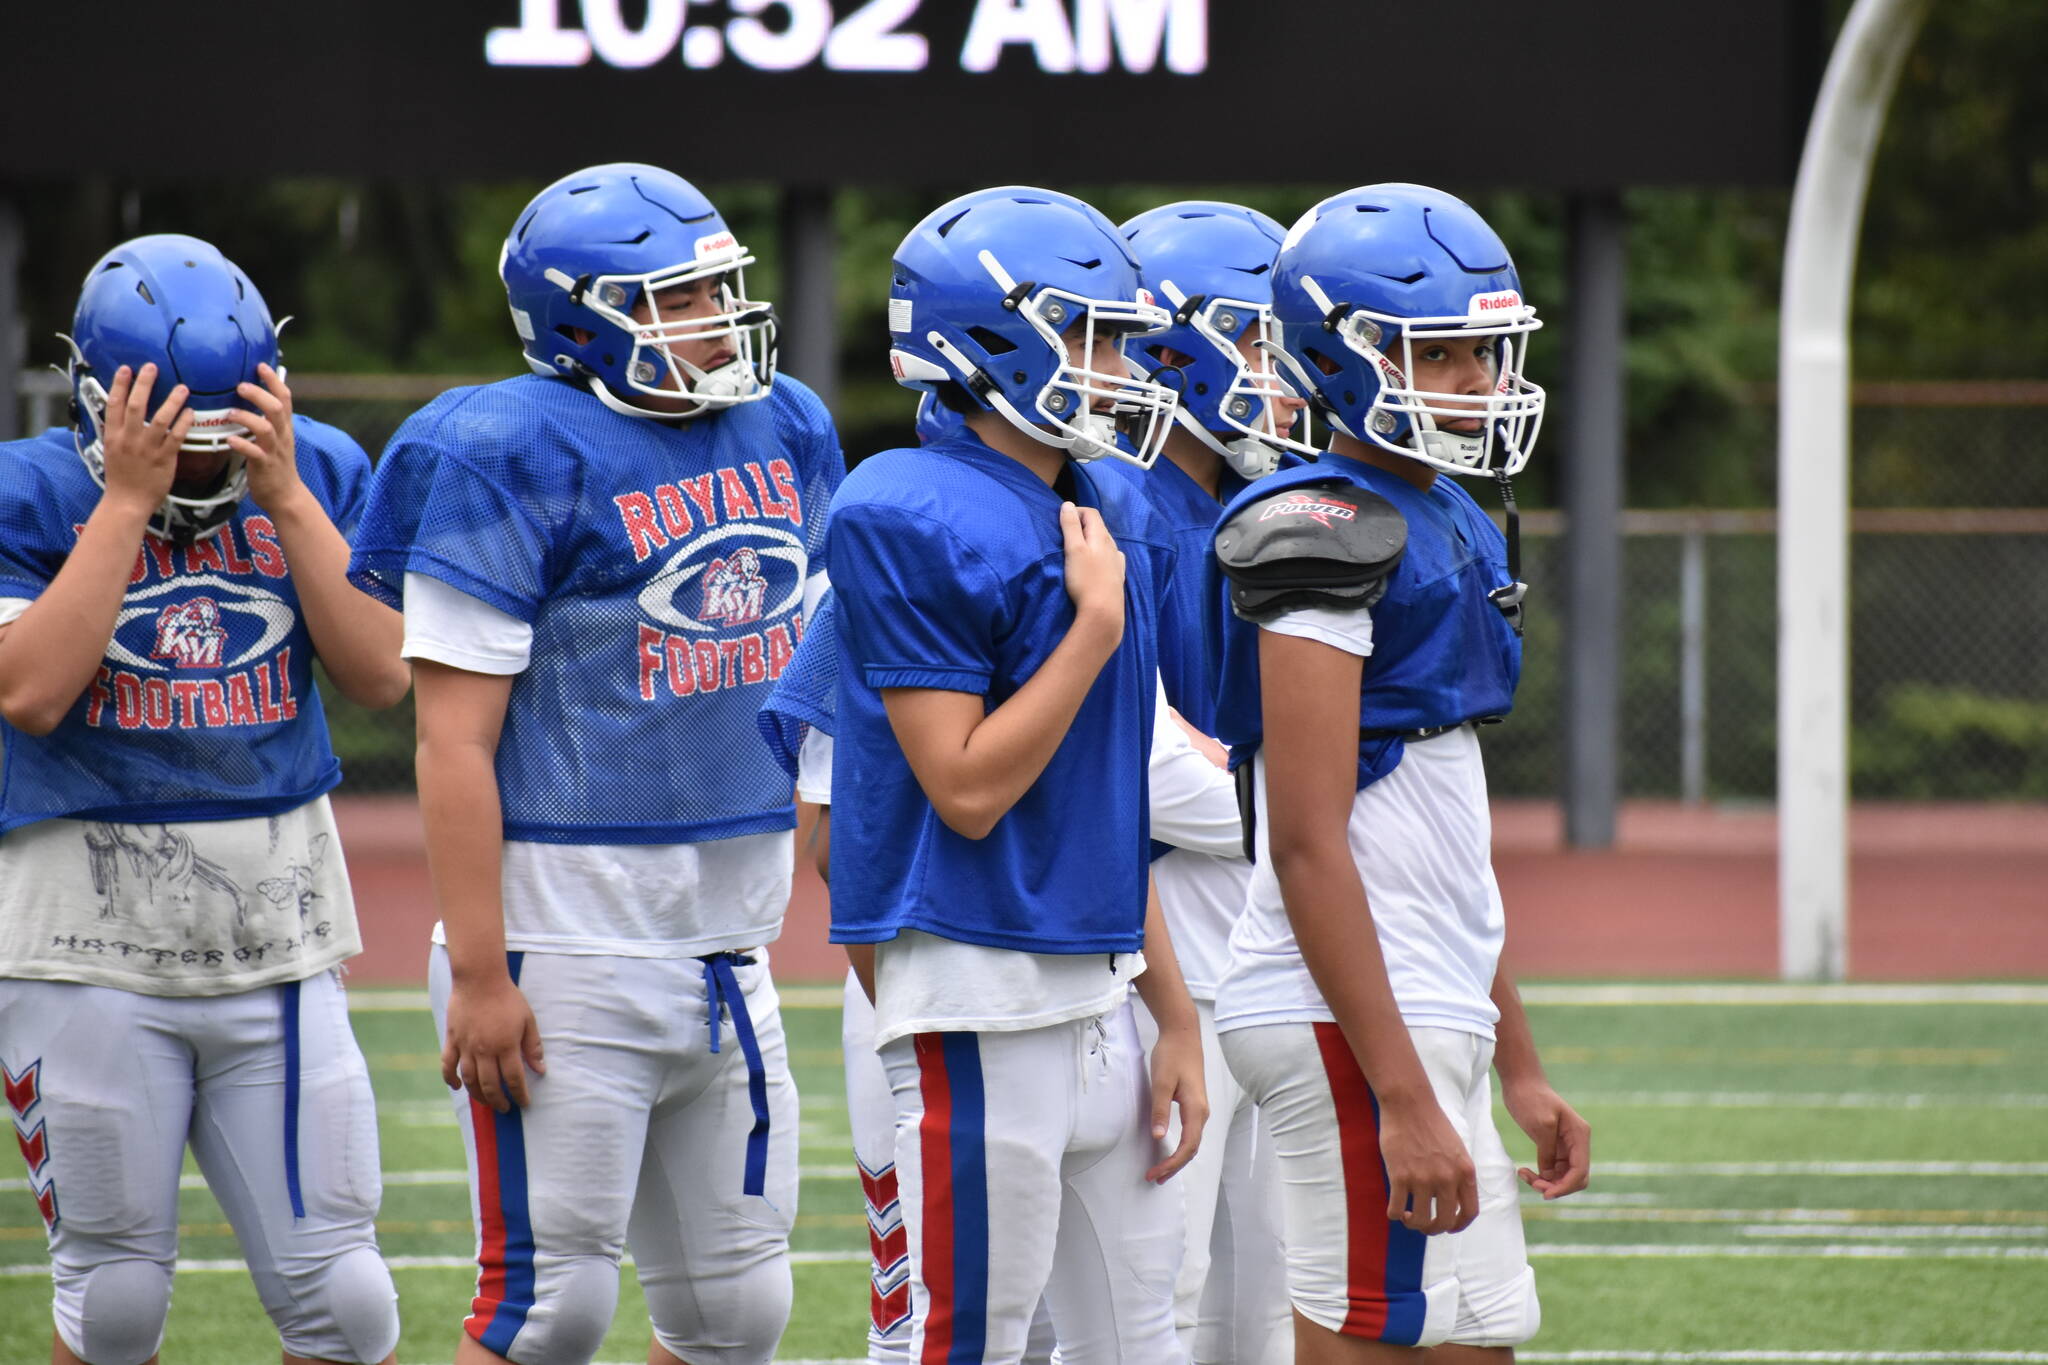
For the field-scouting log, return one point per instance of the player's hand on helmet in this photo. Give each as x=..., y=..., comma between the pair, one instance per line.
x=1432, y=1186
x=140, y=450
x=1564, y=1141
x=492, y=1042
x=1177, y=1081
x=1095, y=567
x=270, y=450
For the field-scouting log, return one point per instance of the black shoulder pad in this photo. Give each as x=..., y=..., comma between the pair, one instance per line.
x=1328, y=544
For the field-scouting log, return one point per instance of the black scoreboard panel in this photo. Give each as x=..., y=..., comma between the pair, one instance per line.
x=1531, y=93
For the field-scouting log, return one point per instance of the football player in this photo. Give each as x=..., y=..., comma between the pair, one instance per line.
x=177, y=905
x=603, y=566
x=1370, y=615
x=996, y=684
x=1193, y=806
x=1210, y=263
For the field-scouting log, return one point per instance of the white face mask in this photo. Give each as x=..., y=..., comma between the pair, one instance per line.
x=1087, y=412
x=652, y=367
x=1410, y=421
x=1250, y=407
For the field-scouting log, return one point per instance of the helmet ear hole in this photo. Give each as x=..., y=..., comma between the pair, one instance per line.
x=993, y=343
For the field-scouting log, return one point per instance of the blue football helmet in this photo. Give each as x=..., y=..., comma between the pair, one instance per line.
x=590, y=248
x=1211, y=264
x=177, y=303
x=987, y=291
x=1367, y=277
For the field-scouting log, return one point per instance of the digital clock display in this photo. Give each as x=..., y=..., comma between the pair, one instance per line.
x=1092, y=36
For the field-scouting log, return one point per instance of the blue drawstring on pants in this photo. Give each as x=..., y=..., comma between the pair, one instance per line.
x=288, y=995
x=722, y=991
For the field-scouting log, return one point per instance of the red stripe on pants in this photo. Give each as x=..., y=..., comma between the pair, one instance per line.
x=490, y=1254
x=1365, y=1186
x=935, y=1159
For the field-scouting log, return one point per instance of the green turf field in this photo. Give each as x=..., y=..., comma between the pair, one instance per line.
x=1833, y=1176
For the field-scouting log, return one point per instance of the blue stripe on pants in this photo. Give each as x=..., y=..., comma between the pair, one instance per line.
x=970, y=1198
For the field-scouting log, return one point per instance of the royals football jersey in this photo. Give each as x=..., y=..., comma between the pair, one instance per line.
x=949, y=572
x=662, y=567
x=203, y=707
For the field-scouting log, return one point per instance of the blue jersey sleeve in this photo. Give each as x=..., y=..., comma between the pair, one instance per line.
x=823, y=462
x=465, y=512
x=28, y=558
x=348, y=472
x=802, y=699
x=917, y=606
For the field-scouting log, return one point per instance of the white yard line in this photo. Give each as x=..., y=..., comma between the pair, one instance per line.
x=1790, y=1357
x=197, y=1267
x=1781, y=993
x=1684, y=1169
x=18, y=1185
x=1806, y=1099
x=1831, y=1251
x=1659, y=1250
x=806, y=996
x=2031, y=1221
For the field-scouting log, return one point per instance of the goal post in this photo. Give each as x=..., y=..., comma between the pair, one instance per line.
x=1813, y=484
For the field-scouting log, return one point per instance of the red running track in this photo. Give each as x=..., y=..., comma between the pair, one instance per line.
x=1937, y=893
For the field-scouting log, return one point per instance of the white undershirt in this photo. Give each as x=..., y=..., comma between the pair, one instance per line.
x=1421, y=838
x=620, y=900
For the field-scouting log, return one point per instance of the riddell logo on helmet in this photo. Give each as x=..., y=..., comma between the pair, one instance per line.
x=1483, y=304
x=715, y=243
x=1308, y=505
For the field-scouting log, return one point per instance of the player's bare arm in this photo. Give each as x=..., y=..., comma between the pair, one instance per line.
x=973, y=764
x=1177, y=1077
x=1310, y=699
x=492, y=1037
x=50, y=653
x=1564, y=1140
x=356, y=636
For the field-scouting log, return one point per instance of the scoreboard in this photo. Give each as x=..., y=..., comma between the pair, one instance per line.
x=1568, y=94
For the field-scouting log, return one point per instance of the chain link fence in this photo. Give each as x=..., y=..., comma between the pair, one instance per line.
x=1949, y=667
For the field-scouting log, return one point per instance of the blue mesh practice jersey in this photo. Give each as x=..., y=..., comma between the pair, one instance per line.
x=203, y=707
x=948, y=568
x=662, y=568
x=1442, y=654
x=1187, y=656
x=803, y=697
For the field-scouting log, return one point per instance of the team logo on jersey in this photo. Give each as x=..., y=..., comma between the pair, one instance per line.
x=190, y=634
x=1308, y=505
x=24, y=1090
x=734, y=589
x=759, y=579
x=231, y=625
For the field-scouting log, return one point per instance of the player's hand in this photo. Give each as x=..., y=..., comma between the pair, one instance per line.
x=1202, y=744
x=140, y=451
x=492, y=1041
x=1564, y=1141
x=1177, y=1081
x=270, y=450
x=1095, y=567
x=1431, y=1184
